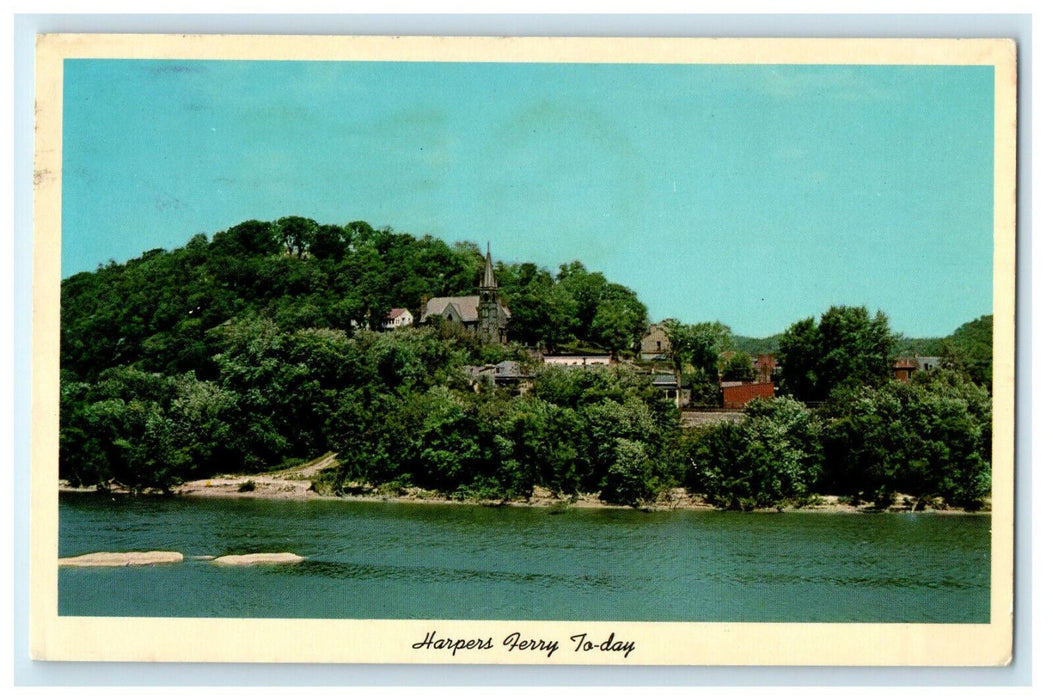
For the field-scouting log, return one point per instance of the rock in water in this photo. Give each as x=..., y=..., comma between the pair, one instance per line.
x=122, y=559
x=262, y=558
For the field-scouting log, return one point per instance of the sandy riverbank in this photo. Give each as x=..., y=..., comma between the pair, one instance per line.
x=295, y=484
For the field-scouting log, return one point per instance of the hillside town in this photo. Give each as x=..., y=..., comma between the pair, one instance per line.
x=430, y=366
x=485, y=316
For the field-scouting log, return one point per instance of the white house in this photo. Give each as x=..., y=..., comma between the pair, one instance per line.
x=398, y=318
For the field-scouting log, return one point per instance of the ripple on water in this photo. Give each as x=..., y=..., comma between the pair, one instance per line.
x=365, y=560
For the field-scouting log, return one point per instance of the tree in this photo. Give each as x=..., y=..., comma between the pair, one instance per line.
x=444, y=445
x=738, y=368
x=369, y=295
x=547, y=444
x=542, y=311
x=930, y=438
x=770, y=457
x=296, y=234
x=359, y=232
x=83, y=458
x=586, y=288
x=617, y=431
x=618, y=324
x=630, y=480
x=698, y=345
x=331, y=243
x=848, y=346
x=249, y=238
x=970, y=350
x=201, y=414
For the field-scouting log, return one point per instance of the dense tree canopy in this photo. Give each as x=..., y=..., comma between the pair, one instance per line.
x=930, y=438
x=772, y=457
x=261, y=347
x=575, y=309
x=697, y=344
x=738, y=367
x=756, y=346
x=847, y=346
x=156, y=311
x=970, y=350
x=251, y=350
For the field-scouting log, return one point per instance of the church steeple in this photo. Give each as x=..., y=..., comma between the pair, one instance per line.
x=489, y=282
x=489, y=321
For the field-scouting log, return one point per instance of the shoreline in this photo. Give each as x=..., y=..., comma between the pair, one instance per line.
x=295, y=484
x=275, y=488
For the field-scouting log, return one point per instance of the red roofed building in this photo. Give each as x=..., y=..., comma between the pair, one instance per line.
x=903, y=368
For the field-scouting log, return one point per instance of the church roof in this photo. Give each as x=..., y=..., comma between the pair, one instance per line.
x=466, y=307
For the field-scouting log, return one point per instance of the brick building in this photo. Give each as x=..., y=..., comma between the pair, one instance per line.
x=738, y=394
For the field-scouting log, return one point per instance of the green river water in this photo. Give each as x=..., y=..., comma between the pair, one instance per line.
x=407, y=561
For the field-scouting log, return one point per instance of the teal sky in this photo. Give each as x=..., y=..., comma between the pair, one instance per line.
x=753, y=195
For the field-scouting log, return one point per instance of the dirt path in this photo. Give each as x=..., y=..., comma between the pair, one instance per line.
x=292, y=483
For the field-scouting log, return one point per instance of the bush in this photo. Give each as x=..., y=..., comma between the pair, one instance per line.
x=930, y=439
x=769, y=458
x=631, y=480
x=482, y=489
x=395, y=487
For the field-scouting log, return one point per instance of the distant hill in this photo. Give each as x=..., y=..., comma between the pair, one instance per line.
x=970, y=348
x=756, y=346
x=920, y=346
x=974, y=338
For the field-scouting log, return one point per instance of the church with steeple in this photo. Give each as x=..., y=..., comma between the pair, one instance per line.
x=482, y=314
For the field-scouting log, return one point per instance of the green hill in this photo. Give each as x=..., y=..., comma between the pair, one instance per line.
x=252, y=350
x=756, y=346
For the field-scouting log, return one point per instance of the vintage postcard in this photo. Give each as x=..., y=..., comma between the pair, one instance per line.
x=523, y=350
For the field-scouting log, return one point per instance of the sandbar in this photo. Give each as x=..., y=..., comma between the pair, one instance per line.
x=122, y=559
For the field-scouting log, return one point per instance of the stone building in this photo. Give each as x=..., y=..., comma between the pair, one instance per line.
x=655, y=345
x=482, y=314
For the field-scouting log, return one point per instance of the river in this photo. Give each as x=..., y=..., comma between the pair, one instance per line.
x=409, y=561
